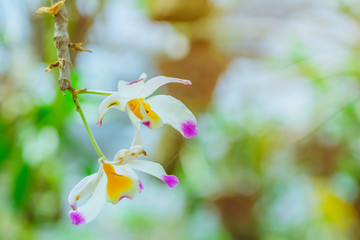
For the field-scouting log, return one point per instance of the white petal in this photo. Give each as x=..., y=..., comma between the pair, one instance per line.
x=173, y=112
x=88, y=212
x=138, y=139
x=154, y=83
x=115, y=100
x=131, y=89
x=154, y=169
x=83, y=189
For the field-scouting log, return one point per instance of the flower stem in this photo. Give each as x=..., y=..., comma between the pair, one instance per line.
x=91, y=136
x=96, y=92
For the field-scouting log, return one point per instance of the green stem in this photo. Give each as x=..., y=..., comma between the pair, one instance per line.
x=91, y=136
x=97, y=92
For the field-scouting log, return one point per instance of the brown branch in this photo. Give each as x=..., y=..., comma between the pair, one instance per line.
x=62, y=41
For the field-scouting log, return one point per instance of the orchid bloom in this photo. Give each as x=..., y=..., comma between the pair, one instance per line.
x=114, y=181
x=152, y=112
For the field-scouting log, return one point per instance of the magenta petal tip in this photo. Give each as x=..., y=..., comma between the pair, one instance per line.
x=77, y=218
x=141, y=186
x=186, y=82
x=170, y=180
x=189, y=129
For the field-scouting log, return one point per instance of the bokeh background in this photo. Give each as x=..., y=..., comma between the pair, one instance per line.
x=275, y=90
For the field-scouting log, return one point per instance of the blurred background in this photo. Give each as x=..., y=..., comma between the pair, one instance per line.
x=275, y=90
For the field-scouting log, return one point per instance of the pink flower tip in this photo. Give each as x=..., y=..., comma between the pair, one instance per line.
x=99, y=123
x=189, y=128
x=141, y=186
x=170, y=180
x=77, y=218
x=187, y=82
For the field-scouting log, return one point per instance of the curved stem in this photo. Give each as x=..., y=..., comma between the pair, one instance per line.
x=91, y=136
x=96, y=92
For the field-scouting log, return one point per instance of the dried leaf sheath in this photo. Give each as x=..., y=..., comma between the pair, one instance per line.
x=61, y=41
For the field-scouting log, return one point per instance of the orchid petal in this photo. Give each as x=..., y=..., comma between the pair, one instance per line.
x=154, y=169
x=173, y=112
x=115, y=100
x=154, y=83
x=138, y=139
x=83, y=189
x=88, y=212
x=131, y=89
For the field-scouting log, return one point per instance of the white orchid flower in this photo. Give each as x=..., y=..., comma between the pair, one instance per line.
x=151, y=112
x=114, y=181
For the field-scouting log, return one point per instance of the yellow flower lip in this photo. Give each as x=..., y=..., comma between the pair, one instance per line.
x=117, y=184
x=135, y=105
